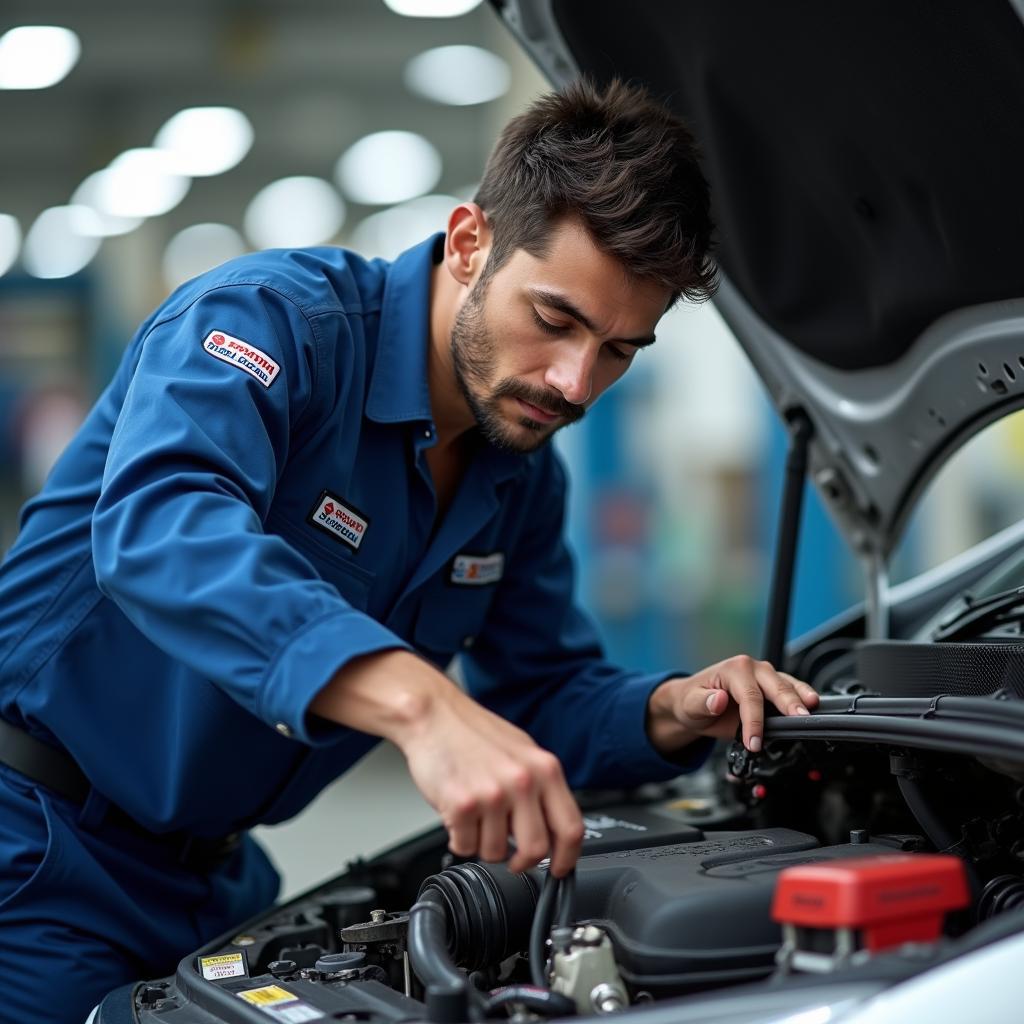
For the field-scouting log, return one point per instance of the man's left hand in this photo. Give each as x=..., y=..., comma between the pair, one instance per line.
x=715, y=701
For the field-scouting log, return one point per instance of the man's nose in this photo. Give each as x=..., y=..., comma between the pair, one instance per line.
x=571, y=372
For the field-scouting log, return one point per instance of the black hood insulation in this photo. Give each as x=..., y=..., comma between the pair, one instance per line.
x=865, y=159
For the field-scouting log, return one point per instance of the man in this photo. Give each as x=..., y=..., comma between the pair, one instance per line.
x=312, y=481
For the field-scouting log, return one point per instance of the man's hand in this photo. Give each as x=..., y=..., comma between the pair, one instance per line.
x=486, y=778
x=713, y=702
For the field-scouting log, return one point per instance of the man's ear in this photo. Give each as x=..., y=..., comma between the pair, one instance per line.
x=467, y=243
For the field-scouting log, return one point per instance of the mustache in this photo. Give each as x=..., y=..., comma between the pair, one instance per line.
x=549, y=401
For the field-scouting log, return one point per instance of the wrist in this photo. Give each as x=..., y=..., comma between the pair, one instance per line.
x=391, y=694
x=667, y=734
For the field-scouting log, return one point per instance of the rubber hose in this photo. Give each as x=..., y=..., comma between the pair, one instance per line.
x=566, y=895
x=939, y=836
x=428, y=945
x=538, y=1000
x=542, y=918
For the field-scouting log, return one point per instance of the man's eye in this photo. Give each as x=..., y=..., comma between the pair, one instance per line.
x=618, y=353
x=545, y=325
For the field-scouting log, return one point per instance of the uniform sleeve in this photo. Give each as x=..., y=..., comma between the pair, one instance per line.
x=538, y=662
x=177, y=537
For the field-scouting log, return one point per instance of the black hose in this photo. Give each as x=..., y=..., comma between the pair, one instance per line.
x=538, y=1000
x=939, y=836
x=566, y=895
x=542, y=918
x=428, y=943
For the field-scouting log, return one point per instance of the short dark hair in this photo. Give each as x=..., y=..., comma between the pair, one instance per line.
x=618, y=160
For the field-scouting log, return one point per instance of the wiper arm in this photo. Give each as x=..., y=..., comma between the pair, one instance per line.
x=978, y=615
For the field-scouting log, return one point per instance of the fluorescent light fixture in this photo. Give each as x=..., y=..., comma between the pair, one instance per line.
x=294, y=212
x=10, y=241
x=394, y=230
x=140, y=183
x=199, y=248
x=202, y=141
x=432, y=8
x=56, y=246
x=458, y=75
x=37, y=56
x=106, y=225
x=388, y=167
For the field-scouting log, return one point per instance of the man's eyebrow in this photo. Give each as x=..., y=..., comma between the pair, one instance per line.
x=564, y=305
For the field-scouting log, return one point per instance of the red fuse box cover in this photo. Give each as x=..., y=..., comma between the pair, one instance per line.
x=894, y=898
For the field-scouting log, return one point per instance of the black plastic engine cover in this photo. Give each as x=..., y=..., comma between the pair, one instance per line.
x=696, y=914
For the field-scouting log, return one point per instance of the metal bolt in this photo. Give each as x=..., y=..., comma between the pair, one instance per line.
x=606, y=999
x=378, y=915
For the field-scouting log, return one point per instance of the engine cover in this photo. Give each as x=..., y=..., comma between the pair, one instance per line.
x=697, y=914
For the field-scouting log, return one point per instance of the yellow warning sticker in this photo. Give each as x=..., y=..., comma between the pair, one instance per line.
x=269, y=995
x=282, y=1005
x=229, y=965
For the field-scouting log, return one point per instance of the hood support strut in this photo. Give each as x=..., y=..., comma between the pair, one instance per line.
x=784, y=564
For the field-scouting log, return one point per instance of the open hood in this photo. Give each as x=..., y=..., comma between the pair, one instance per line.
x=866, y=164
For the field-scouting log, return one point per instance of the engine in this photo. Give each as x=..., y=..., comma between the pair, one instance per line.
x=658, y=908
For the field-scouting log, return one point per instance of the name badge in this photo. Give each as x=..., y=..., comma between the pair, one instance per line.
x=477, y=570
x=342, y=521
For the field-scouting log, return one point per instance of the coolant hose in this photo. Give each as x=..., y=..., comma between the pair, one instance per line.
x=542, y=918
x=541, y=1001
x=939, y=836
x=428, y=943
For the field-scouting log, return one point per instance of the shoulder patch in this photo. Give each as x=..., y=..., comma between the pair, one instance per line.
x=239, y=353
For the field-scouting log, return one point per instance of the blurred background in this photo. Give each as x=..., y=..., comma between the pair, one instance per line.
x=142, y=143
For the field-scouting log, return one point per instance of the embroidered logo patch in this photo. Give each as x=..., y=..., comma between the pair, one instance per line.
x=477, y=570
x=238, y=353
x=342, y=521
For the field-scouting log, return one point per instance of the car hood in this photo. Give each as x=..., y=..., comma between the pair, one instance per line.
x=866, y=164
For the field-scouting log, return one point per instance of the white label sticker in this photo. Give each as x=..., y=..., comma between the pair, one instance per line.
x=241, y=354
x=477, y=571
x=230, y=965
x=340, y=520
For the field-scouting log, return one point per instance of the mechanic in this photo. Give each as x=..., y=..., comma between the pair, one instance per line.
x=312, y=481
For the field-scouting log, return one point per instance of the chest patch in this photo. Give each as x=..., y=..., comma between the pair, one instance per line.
x=342, y=521
x=238, y=353
x=477, y=570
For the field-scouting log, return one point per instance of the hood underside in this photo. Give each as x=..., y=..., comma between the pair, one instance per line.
x=866, y=165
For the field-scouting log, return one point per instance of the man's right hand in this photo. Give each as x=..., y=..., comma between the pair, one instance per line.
x=485, y=777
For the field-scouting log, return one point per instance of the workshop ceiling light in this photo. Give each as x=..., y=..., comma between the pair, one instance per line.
x=458, y=75
x=56, y=245
x=203, y=141
x=10, y=241
x=37, y=56
x=294, y=212
x=197, y=249
x=140, y=183
x=105, y=224
x=432, y=8
x=388, y=167
x=394, y=230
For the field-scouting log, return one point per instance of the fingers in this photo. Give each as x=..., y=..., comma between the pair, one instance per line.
x=737, y=689
x=534, y=806
x=564, y=820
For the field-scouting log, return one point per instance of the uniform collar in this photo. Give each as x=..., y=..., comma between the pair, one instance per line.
x=398, y=388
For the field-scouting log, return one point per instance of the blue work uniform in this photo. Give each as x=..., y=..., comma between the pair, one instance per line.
x=246, y=509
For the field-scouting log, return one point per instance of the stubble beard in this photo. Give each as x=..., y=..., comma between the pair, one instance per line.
x=474, y=358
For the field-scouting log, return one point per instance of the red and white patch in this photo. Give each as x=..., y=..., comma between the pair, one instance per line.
x=341, y=520
x=239, y=353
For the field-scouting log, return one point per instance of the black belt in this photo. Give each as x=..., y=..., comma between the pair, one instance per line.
x=58, y=772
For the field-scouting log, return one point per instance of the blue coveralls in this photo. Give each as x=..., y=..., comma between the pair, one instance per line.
x=246, y=509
